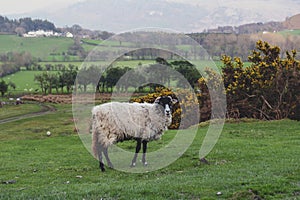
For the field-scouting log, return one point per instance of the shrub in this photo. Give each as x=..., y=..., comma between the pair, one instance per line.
x=267, y=89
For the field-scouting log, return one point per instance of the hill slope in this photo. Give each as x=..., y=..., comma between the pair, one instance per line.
x=44, y=48
x=292, y=22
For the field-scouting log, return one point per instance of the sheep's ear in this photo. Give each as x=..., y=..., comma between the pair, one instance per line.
x=157, y=100
x=173, y=100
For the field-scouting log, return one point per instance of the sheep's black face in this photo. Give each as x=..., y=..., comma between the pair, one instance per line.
x=167, y=103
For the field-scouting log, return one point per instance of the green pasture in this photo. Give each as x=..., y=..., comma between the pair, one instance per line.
x=105, y=45
x=251, y=160
x=40, y=47
x=11, y=110
x=54, y=49
x=24, y=81
x=112, y=43
x=290, y=32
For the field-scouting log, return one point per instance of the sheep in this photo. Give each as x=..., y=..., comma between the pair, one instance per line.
x=115, y=122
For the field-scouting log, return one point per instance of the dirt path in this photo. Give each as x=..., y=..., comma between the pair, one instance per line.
x=45, y=110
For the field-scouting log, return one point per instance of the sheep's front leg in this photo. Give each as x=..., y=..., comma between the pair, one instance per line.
x=144, y=153
x=137, y=150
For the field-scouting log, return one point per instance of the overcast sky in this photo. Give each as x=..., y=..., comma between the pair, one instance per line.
x=17, y=7
x=110, y=14
x=8, y=7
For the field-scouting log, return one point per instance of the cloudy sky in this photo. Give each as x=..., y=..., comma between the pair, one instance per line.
x=9, y=7
x=182, y=15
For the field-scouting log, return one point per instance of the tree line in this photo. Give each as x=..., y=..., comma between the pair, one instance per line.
x=239, y=45
x=61, y=80
x=105, y=80
x=23, y=25
x=12, y=62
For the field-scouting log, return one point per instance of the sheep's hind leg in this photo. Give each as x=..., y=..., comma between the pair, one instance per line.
x=144, y=153
x=110, y=165
x=101, y=164
x=137, y=150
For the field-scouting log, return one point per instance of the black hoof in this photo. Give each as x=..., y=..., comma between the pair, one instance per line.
x=101, y=166
x=204, y=161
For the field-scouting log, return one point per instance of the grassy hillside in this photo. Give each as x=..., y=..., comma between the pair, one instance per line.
x=41, y=47
x=290, y=32
x=24, y=81
x=89, y=44
x=12, y=110
x=250, y=160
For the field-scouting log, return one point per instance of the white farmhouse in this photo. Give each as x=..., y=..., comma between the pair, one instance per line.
x=42, y=33
x=39, y=33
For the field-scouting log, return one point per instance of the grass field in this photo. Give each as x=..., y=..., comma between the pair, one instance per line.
x=90, y=45
x=12, y=110
x=38, y=47
x=53, y=49
x=24, y=81
x=290, y=32
x=252, y=158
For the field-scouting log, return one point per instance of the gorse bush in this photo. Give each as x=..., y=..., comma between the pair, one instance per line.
x=267, y=89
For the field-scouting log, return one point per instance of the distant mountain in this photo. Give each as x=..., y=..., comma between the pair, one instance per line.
x=183, y=16
x=289, y=24
x=292, y=22
x=123, y=15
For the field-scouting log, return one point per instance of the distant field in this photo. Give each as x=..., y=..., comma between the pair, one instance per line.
x=290, y=32
x=107, y=46
x=53, y=49
x=24, y=81
x=41, y=47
